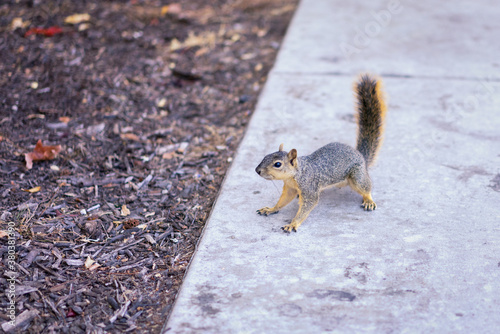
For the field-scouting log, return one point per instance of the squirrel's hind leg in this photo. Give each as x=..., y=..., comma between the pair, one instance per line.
x=359, y=181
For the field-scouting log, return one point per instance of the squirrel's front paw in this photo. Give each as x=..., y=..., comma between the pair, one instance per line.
x=289, y=228
x=369, y=205
x=266, y=211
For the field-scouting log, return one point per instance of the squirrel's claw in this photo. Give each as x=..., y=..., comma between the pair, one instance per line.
x=266, y=211
x=289, y=228
x=369, y=205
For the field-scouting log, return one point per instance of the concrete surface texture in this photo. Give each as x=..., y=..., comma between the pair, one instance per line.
x=428, y=259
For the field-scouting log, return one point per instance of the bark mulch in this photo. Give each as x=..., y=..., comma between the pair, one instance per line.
x=148, y=100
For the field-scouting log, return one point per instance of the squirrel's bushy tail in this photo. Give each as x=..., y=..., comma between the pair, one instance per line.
x=371, y=114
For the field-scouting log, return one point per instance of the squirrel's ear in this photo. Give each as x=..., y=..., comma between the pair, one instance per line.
x=292, y=155
x=281, y=147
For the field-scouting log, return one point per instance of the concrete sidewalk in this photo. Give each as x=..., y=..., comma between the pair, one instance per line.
x=428, y=259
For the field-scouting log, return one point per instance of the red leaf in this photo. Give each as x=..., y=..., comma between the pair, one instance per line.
x=71, y=313
x=41, y=153
x=49, y=32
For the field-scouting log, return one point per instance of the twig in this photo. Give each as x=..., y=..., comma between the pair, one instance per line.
x=50, y=201
x=121, y=312
x=130, y=266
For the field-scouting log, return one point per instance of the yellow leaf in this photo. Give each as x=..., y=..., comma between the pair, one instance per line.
x=34, y=190
x=125, y=211
x=77, y=18
x=206, y=39
x=164, y=10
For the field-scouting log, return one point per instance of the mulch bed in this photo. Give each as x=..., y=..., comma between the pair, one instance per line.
x=148, y=100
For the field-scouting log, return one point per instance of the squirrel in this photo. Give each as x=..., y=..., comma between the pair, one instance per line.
x=333, y=164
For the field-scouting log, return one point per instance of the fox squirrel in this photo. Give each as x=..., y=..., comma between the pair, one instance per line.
x=333, y=164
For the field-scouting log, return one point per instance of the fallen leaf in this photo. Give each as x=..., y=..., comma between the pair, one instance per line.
x=89, y=262
x=94, y=266
x=130, y=136
x=3, y=234
x=164, y=10
x=125, y=211
x=152, y=13
x=18, y=22
x=173, y=8
x=49, y=32
x=70, y=313
x=34, y=190
x=83, y=26
x=168, y=155
x=206, y=39
x=41, y=153
x=77, y=18
x=161, y=103
x=130, y=223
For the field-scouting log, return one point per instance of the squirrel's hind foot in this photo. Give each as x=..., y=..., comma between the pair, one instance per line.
x=369, y=205
x=289, y=228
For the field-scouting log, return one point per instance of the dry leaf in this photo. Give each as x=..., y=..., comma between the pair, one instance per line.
x=77, y=18
x=153, y=13
x=18, y=22
x=3, y=234
x=41, y=153
x=34, y=190
x=164, y=10
x=49, y=32
x=130, y=223
x=206, y=39
x=130, y=136
x=89, y=262
x=161, y=103
x=94, y=266
x=125, y=211
x=173, y=8
x=168, y=155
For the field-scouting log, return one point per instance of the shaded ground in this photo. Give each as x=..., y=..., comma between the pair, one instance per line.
x=149, y=103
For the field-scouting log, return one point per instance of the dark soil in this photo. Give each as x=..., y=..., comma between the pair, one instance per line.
x=149, y=104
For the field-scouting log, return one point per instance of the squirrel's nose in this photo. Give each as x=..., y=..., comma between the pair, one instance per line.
x=257, y=170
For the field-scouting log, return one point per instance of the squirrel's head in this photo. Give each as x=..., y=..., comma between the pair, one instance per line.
x=279, y=165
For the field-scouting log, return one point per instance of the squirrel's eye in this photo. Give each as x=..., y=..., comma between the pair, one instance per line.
x=277, y=164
